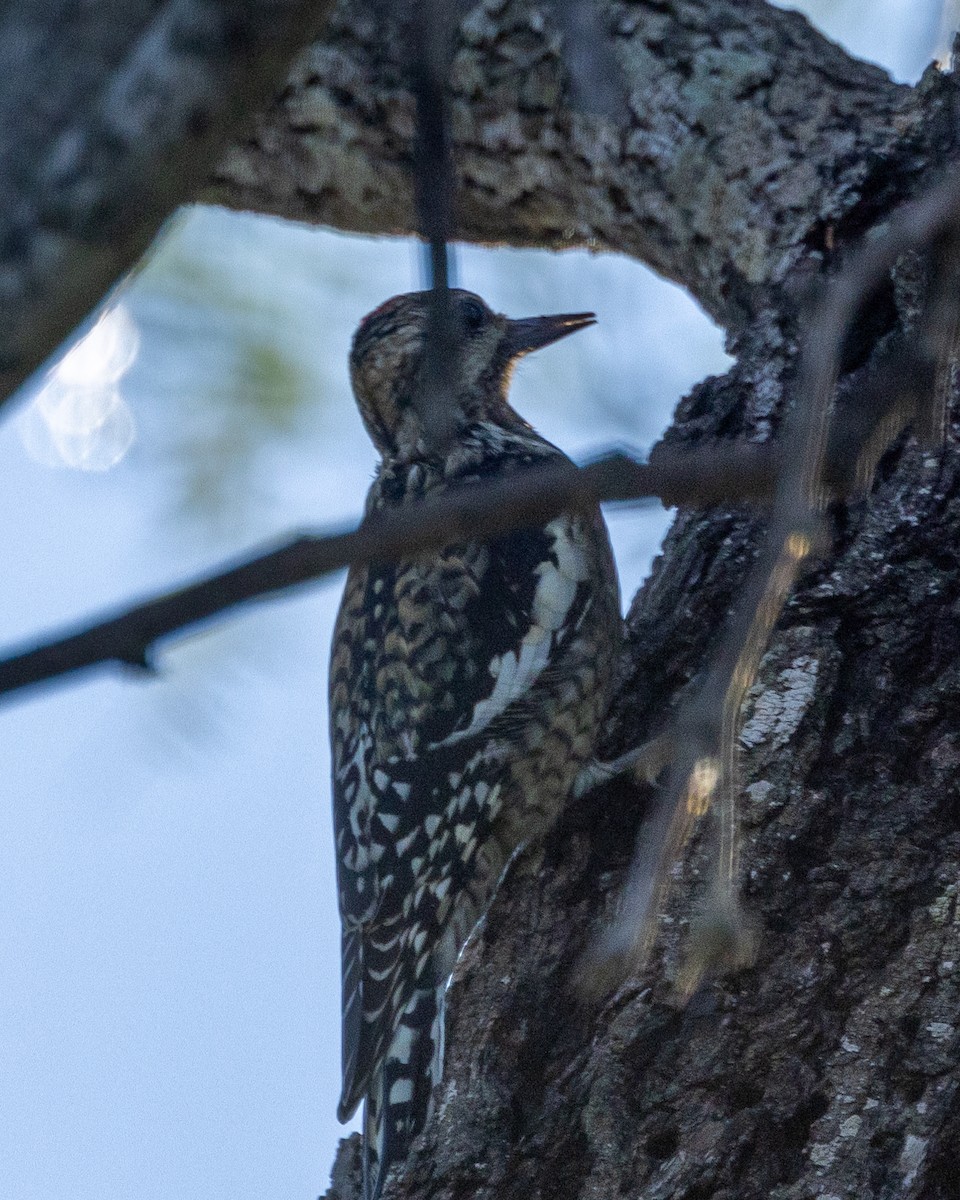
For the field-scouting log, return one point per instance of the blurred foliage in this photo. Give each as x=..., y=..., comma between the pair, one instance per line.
x=257, y=397
x=219, y=370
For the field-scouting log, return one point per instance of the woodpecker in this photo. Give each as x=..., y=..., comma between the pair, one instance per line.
x=467, y=687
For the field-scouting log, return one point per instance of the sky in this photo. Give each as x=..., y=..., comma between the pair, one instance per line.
x=169, y=1011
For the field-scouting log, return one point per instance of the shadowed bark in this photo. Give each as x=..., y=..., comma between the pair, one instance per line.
x=831, y=1067
x=110, y=116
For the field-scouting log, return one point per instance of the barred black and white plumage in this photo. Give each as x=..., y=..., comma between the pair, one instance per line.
x=467, y=687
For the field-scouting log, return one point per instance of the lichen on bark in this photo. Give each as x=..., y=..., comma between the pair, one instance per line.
x=744, y=133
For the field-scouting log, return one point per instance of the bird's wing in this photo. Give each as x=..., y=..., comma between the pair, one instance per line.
x=433, y=660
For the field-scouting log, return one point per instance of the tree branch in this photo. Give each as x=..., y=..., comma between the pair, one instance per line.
x=111, y=115
x=729, y=167
x=476, y=511
x=675, y=475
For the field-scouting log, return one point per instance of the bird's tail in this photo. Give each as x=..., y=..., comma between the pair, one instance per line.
x=398, y=1103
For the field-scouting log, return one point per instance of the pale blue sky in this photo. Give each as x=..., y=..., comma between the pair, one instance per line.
x=169, y=1015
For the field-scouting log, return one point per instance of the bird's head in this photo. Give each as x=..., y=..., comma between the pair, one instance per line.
x=387, y=360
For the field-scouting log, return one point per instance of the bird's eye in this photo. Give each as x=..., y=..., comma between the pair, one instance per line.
x=473, y=313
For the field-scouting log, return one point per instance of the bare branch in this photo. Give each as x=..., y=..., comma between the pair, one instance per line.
x=677, y=476
x=476, y=511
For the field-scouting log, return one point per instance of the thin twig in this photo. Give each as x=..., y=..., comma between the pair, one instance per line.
x=596, y=79
x=677, y=476
x=475, y=511
x=430, y=42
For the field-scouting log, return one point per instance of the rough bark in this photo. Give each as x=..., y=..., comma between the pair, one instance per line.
x=743, y=137
x=111, y=115
x=831, y=1067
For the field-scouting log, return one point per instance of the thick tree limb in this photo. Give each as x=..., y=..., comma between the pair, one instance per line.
x=729, y=168
x=110, y=116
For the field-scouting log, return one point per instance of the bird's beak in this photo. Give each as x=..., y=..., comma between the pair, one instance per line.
x=530, y=333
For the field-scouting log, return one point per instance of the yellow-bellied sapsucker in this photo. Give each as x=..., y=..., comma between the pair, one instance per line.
x=467, y=686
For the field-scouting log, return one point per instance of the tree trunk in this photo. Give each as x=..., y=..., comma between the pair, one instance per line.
x=750, y=154
x=830, y=1067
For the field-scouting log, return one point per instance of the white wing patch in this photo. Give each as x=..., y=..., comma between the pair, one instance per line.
x=515, y=672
